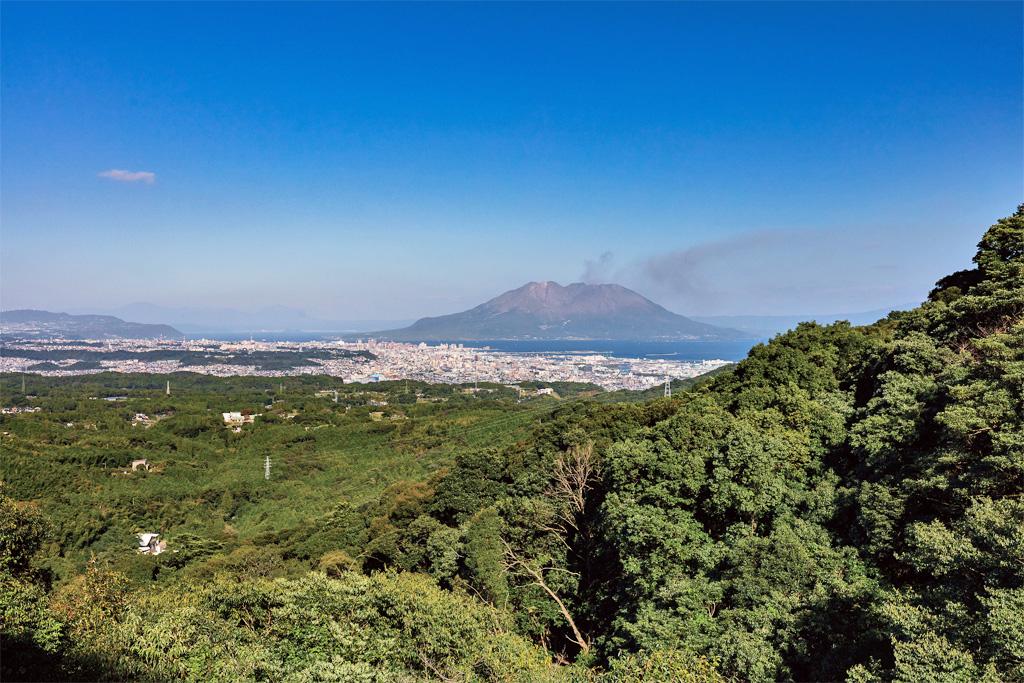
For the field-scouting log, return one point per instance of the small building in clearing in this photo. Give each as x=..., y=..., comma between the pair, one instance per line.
x=142, y=419
x=236, y=418
x=150, y=544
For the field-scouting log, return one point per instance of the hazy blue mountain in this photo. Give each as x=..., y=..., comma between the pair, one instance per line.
x=769, y=325
x=198, y=320
x=30, y=323
x=547, y=310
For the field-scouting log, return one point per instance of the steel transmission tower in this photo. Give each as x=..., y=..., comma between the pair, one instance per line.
x=266, y=467
x=668, y=387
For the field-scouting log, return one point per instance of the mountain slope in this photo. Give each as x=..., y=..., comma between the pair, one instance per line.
x=31, y=323
x=547, y=310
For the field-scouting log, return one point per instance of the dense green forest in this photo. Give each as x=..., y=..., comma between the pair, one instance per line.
x=843, y=504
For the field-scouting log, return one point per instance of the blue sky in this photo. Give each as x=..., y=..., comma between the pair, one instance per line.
x=392, y=161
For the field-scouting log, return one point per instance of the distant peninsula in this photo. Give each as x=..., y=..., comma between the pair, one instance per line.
x=27, y=323
x=548, y=310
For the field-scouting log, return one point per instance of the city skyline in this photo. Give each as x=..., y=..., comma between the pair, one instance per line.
x=399, y=161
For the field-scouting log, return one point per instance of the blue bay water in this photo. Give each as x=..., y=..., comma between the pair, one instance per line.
x=669, y=350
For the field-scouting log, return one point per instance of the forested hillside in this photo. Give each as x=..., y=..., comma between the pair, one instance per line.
x=844, y=504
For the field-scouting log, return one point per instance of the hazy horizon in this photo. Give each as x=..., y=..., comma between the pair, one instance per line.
x=394, y=161
x=239, y=319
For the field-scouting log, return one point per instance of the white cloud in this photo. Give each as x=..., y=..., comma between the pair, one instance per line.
x=123, y=176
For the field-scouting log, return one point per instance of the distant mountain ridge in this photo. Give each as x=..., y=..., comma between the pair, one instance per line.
x=33, y=323
x=547, y=310
x=200, y=320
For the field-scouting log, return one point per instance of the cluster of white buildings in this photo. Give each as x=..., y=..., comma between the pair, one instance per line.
x=459, y=364
x=437, y=363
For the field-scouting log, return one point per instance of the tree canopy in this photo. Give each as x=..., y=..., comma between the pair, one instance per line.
x=847, y=503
